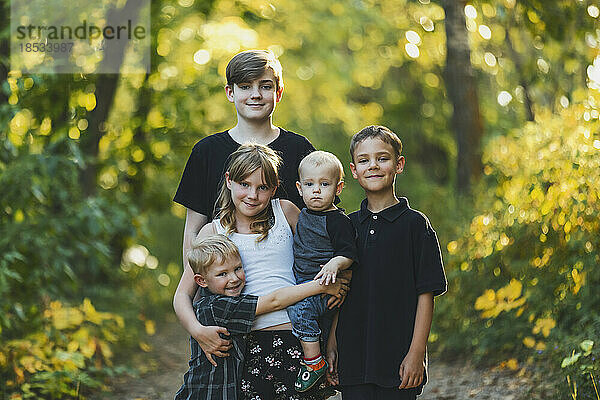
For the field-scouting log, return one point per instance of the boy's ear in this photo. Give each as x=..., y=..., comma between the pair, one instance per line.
x=299, y=187
x=200, y=281
x=229, y=93
x=339, y=188
x=279, y=94
x=400, y=165
x=353, y=170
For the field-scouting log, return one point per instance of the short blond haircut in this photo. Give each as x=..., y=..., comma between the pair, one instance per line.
x=323, y=159
x=208, y=250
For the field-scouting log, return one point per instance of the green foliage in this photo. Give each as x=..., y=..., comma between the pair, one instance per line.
x=69, y=355
x=523, y=275
x=53, y=242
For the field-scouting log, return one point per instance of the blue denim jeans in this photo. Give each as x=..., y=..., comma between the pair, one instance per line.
x=311, y=318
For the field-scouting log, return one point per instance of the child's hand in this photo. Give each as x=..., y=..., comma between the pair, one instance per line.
x=327, y=273
x=345, y=277
x=337, y=289
x=411, y=370
x=211, y=342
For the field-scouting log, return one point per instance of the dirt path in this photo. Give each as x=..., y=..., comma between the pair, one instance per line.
x=166, y=363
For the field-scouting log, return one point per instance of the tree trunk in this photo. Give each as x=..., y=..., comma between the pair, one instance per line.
x=462, y=91
x=106, y=87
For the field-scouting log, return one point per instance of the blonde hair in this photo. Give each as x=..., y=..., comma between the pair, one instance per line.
x=242, y=163
x=214, y=248
x=250, y=65
x=323, y=159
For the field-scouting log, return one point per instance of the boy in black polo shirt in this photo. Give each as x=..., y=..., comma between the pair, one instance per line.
x=218, y=271
x=379, y=343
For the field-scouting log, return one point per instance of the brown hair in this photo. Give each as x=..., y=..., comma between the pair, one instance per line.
x=323, y=159
x=244, y=161
x=205, y=251
x=249, y=65
x=380, y=132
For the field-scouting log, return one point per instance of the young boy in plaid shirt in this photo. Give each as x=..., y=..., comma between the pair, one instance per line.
x=218, y=271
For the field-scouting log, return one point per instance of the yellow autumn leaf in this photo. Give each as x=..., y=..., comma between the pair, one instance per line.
x=108, y=335
x=20, y=375
x=513, y=289
x=579, y=279
x=452, y=247
x=529, y=341
x=150, y=327
x=512, y=364
x=64, y=318
x=540, y=346
x=90, y=312
x=544, y=325
x=145, y=346
x=486, y=301
x=28, y=363
x=81, y=335
x=72, y=346
x=104, y=349
x=89, y=348
x=120, y=321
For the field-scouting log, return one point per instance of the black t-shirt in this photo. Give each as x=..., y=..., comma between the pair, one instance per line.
x=205, y=169
x=398, y=259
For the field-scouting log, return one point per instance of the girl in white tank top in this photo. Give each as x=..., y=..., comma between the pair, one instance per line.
x=262, y=228
x=267, y=264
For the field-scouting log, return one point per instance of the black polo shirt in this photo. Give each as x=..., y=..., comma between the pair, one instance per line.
x=399, y=259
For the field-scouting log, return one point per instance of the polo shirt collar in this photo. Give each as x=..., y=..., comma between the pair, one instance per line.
x=389, y=214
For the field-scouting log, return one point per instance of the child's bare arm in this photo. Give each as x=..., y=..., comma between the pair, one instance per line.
x=281, y=298
x=332, y=353
x=330, y=270
x=412, y=368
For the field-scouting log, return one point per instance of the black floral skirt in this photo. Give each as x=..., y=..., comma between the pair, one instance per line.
x=271, y=367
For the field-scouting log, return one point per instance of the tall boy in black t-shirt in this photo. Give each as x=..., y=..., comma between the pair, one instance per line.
x=378, y=348
x=254, y=86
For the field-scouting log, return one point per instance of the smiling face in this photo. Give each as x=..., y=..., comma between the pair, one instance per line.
x=318, y=187
x=375, y=165
x=251, y=195
x=255, y=100
x=225, y=277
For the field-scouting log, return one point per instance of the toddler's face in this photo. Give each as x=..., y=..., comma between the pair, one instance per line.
x=318, y=187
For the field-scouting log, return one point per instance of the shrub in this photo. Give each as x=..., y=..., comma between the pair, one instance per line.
x=524, y=274
x=71, y=352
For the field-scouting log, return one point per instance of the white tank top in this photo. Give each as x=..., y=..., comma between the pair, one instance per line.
x=267, y=264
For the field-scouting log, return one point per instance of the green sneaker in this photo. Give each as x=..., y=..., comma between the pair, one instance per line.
x=308, y=377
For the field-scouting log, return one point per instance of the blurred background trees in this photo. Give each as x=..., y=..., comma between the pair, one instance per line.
x=496, y=101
